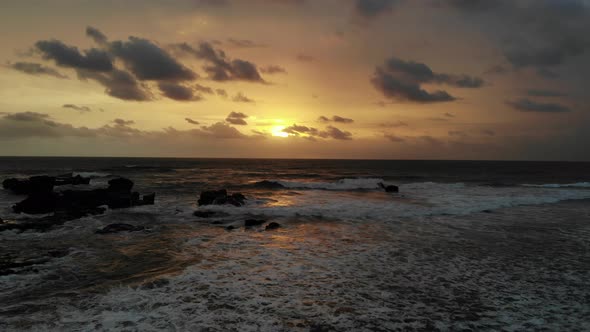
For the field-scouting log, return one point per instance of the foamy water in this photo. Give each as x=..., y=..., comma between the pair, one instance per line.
x=348, y=256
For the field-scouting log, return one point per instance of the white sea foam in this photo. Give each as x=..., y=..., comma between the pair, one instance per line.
x=415, y=199
x=92, y=174
x=343, y=184
x=560, y=185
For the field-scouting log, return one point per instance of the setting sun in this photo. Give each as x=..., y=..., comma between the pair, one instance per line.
x=278, y=131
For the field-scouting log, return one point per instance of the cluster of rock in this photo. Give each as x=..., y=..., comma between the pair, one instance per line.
x=389, y=188
x=221, y=197
x=68, y=204
x=42, y=183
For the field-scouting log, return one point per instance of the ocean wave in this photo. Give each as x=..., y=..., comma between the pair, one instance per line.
x=92, y=175
x=342, y=184
x=415, y=199
x=558, y=185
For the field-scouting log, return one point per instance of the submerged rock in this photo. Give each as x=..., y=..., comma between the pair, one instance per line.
x=268, y=185
x=389, y=188
x=253, y=222
x=221, y=197
x=116, y=228
x=272, y=226
x=204, y=214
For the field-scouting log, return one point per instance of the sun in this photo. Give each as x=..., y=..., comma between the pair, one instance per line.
x=278, y=131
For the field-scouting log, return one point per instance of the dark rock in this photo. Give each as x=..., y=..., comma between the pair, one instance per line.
x=120, y=185
x=204, y=214
x=230, y=228
x=116, y=228
x=65, y=179
x=209, y=197
x=41, y=184
x=272, y=226
x=253, y=222
x=220, y=197
x=38, y=203
x=268, y=185
x=149, y=199
x=389, y=188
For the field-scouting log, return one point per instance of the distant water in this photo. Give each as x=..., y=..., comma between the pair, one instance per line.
x=318, y=201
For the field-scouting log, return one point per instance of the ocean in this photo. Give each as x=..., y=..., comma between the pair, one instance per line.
x=464, y=245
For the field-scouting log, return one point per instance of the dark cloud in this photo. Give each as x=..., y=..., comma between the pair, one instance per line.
x=237, y=118
x=373, y=8
x=178, y=92
x=203, y=89
x=392, y=124
x=81, y=109
x=488, y=132
x=402, y=80
x=220, y=67
x=527, y=105
x=122, y=122
x=69, y=56
x=273, y=69
x=312, y=133
x=222, y=130
x=148, y=61
x=32, y=68
x=545, y=93
x=241, y=98
x=221, y=92
x=243, y=43
x=335, y=118
x=119, y=84
x=394, y=88
x=304, y=58
x=191, y=121
x=394, y=138
x=458, y=133
x=98, y=37
x=32, y=124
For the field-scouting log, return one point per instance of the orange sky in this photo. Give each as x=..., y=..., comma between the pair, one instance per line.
x=379, y=79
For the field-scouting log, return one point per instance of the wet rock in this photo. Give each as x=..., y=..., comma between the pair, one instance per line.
x=268, y=185
x=272, y=226
x=120, y=185
x=221, y=197
x=253, y=222
x=116, y=228
x=41, y=184
x=37, y=203
x=149, y=199
x=118, y=195
x=389, y=188
x=230, y=228
x=204, y=214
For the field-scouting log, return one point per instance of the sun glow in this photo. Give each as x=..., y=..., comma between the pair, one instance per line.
x=278, y=131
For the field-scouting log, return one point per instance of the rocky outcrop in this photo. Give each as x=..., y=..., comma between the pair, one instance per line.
x=272, y=226
x=42, y=184
x=268, y=185
x=253, y=222
x=389, y=188
x=221, y=197
x=118, y=195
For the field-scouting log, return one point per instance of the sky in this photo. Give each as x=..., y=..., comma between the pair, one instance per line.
x=343, y=79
